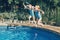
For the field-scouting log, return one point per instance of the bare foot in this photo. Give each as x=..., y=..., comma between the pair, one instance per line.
x=40, y=24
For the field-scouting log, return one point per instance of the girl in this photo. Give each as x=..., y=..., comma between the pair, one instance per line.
x=38, y=15
x=31, y=12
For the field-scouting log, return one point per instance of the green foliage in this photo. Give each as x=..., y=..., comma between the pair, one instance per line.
x=50, y=7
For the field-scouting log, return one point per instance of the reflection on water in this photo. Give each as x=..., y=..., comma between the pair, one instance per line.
x=27, y=33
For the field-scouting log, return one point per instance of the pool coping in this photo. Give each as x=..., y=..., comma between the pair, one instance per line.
x=49, y=27
x=48, y=30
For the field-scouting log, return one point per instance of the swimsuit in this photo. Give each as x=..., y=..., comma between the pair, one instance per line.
x=31, y=12
x=38, y=14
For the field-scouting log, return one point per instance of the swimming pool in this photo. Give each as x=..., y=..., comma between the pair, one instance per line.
x=27, y=33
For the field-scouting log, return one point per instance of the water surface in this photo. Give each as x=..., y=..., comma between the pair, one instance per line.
x=27, y=33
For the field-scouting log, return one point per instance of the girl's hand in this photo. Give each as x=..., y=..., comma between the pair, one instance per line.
x=42, y=12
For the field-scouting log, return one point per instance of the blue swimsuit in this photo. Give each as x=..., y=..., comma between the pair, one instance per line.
x=37, y=14
x=31, y=12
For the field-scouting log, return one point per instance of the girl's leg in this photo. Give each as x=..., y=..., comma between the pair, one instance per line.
x=34, y=20
x=29, y=18
x=40, y=22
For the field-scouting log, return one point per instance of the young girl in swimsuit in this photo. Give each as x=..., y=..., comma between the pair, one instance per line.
x=38, y=15
x=31, y=12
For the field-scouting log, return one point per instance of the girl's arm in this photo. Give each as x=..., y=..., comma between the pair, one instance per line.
x=42, y=11
x=25, y=6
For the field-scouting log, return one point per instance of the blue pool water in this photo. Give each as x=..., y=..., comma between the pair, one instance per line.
x=27, y=33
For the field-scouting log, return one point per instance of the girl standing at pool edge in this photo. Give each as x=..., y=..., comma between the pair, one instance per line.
x=31, y=12
x=38, y=15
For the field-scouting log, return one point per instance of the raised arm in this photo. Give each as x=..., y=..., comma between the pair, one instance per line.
x=25, y=6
